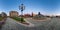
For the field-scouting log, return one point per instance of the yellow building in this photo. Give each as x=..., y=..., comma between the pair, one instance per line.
x=13, y=13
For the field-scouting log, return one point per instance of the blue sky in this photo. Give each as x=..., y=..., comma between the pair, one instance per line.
x=46, y=7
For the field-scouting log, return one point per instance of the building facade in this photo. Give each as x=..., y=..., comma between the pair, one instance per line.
x=27, y=15
x=3, y=14
x=13, y=13
x=33, y=14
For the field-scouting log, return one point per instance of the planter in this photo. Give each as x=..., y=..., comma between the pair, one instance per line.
x=20, y=20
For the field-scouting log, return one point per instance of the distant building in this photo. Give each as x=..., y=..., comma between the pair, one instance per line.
x=27, y=15
x=39, y=14
x=33, y=14
x=13, y=13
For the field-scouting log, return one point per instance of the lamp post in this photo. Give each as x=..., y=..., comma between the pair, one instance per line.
x=22, y=7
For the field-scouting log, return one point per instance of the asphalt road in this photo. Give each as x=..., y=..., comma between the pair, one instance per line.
x=52, y=24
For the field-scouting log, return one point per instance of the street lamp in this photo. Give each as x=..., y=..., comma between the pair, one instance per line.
x=22, y=7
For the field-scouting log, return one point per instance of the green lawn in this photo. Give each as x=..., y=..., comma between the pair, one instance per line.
x=18, y=19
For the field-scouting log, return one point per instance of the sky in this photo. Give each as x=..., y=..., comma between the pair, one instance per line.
x=45, y=7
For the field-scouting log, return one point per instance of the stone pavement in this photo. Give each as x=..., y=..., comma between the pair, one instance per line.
x=53, y=24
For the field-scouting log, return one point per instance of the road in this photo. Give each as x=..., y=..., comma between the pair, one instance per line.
x=52, y=24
